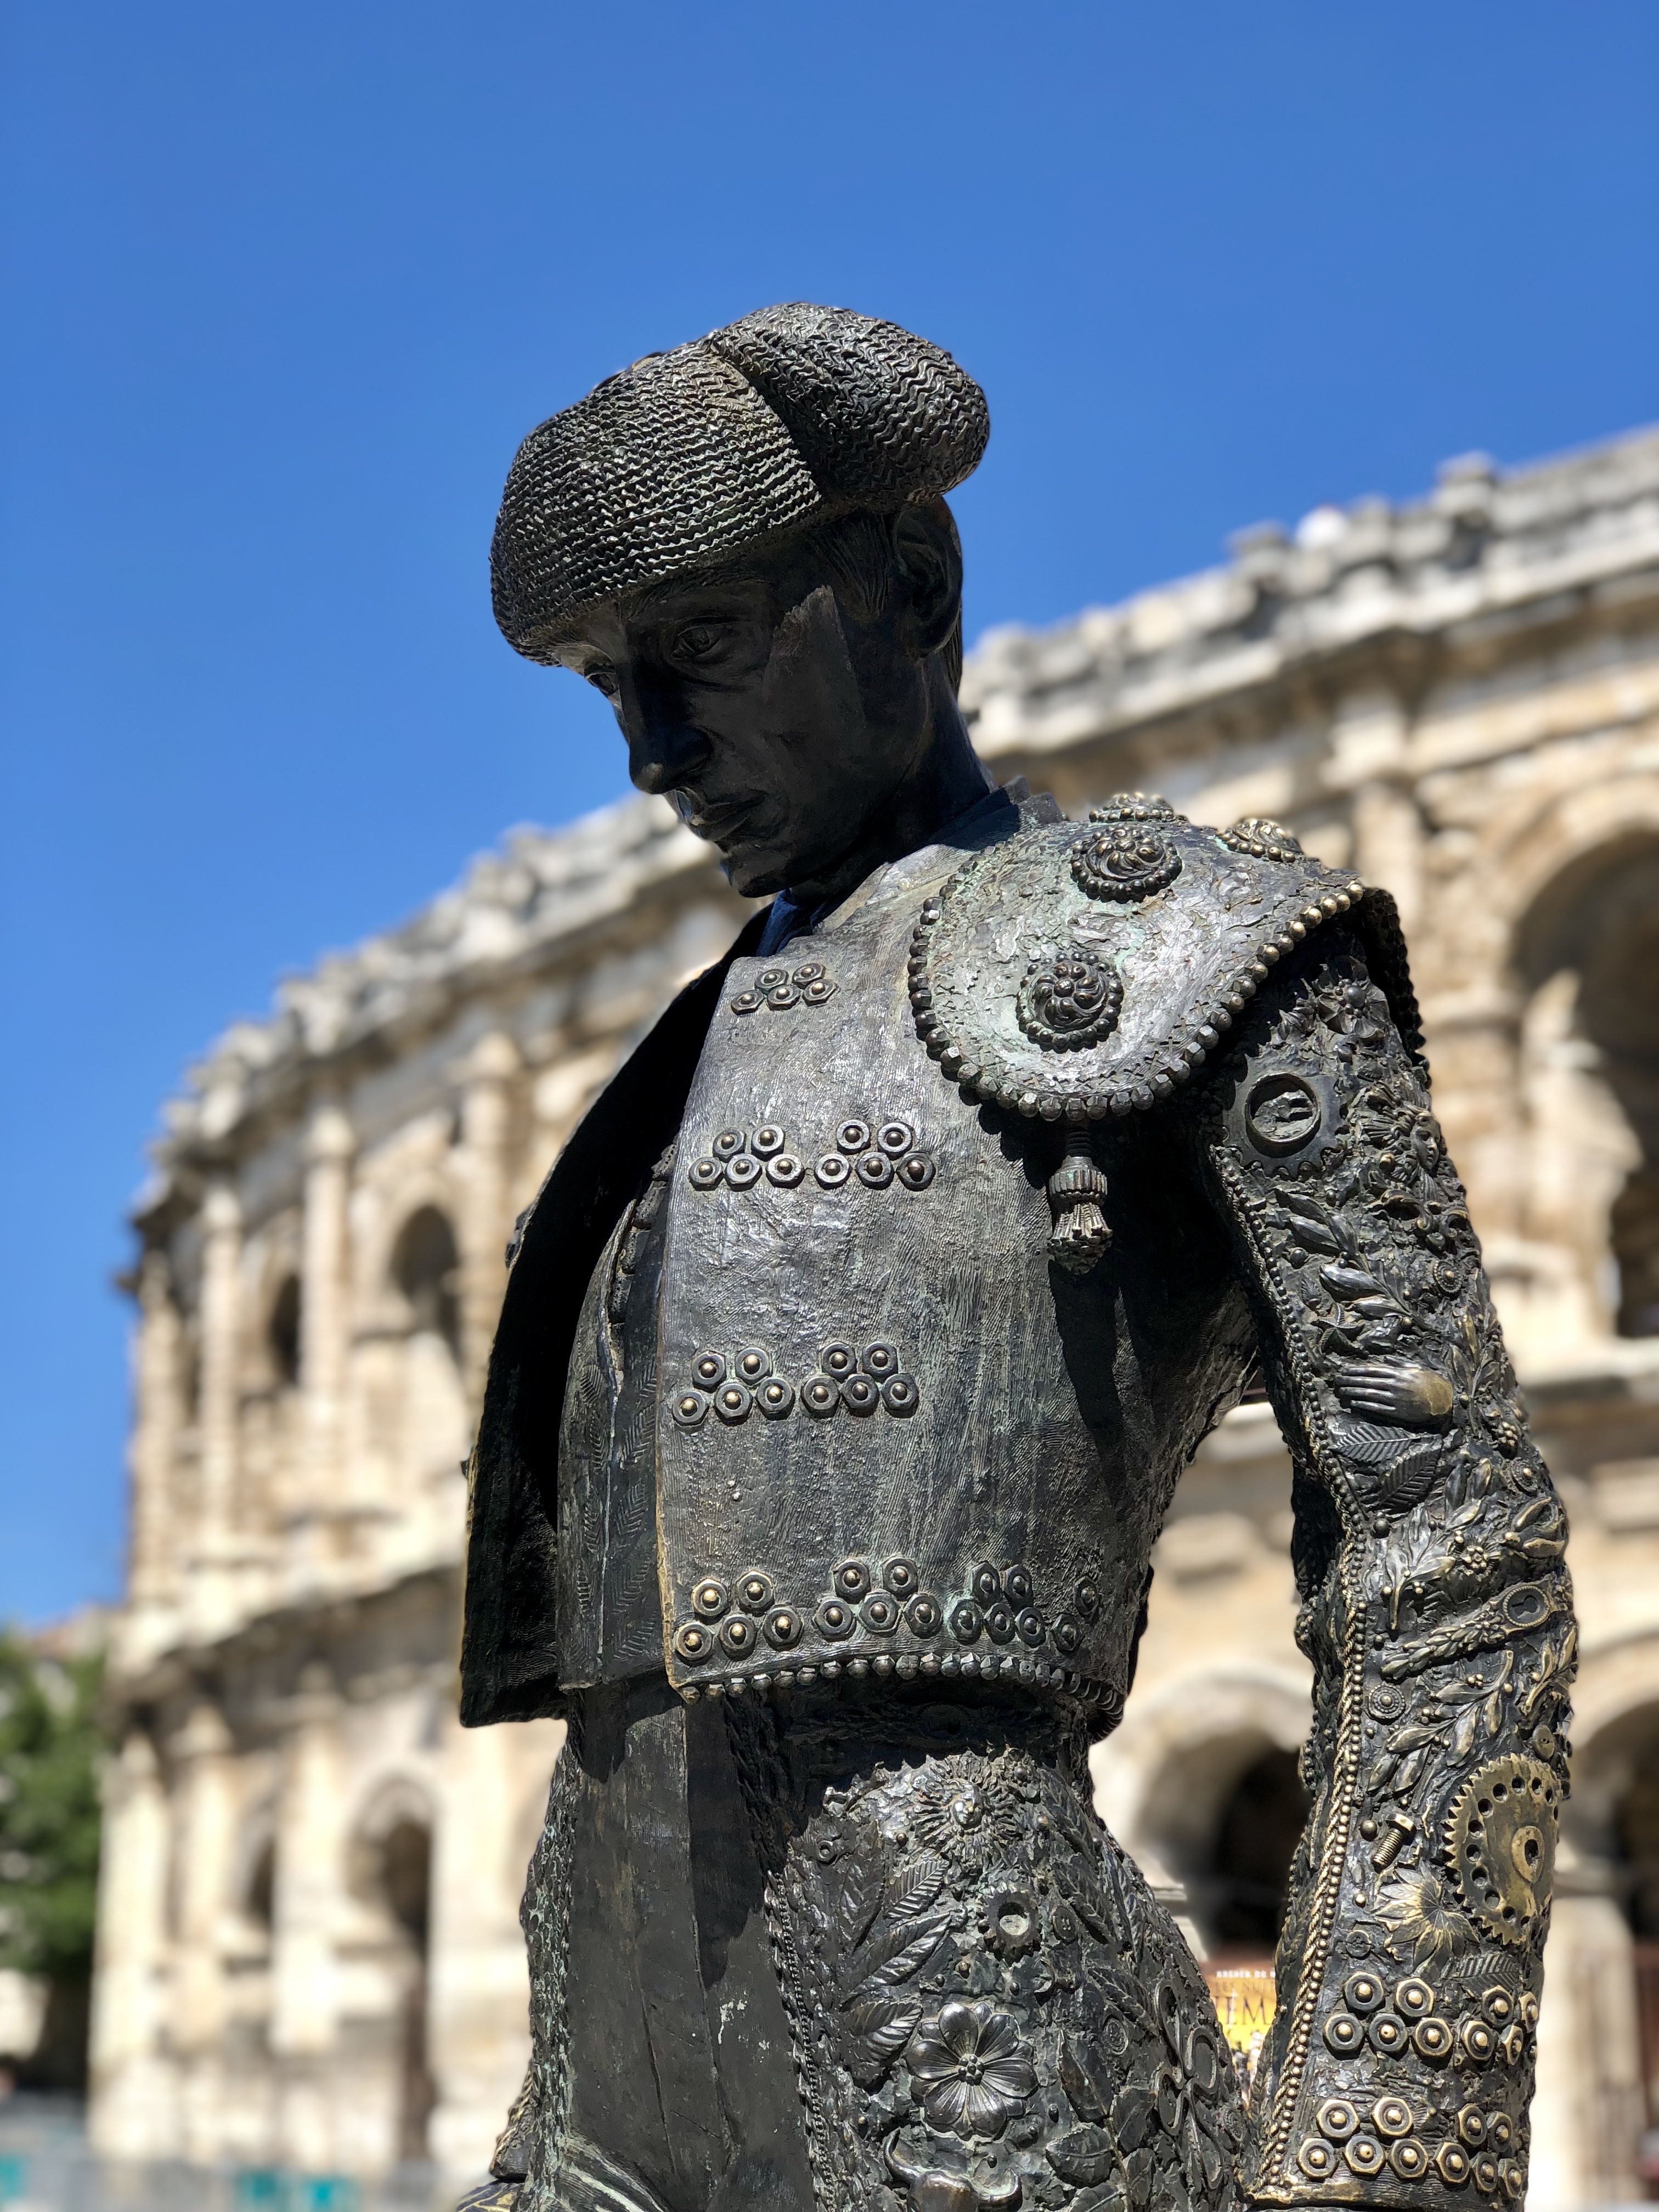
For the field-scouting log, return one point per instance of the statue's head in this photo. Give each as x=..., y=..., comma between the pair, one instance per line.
x=745, y=544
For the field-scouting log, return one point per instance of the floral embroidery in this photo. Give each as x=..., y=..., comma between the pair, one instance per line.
x=973, y=2074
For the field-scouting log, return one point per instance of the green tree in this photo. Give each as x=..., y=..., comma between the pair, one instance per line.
x=50, y=1753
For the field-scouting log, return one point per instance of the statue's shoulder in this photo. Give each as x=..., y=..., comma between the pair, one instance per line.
x=1087, y=969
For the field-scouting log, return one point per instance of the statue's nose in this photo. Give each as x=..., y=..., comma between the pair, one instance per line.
x=663, y=749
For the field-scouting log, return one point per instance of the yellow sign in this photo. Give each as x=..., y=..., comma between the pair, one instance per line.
x=1245, y=1999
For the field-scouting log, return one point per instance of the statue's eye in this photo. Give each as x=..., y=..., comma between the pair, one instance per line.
x=603, y=676
x=696, y=640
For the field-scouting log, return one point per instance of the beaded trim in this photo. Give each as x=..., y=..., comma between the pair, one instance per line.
x=1074, y=1086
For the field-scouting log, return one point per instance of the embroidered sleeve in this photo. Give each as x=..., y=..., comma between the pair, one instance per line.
x=1434, y=1609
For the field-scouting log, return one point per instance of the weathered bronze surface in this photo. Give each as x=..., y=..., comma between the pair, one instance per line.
x=851, y=1356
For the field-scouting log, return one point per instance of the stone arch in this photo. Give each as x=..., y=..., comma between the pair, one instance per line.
x=282, y=1330
x=424, y=1266
x=1182, y=1782
x=1599, y=2035
x=253, y=1868
x=390, y=1872
x=1585, y=959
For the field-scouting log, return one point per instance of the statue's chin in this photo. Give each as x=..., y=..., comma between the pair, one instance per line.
x=759, y=875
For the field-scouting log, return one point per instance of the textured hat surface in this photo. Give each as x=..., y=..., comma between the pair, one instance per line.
x=794, y=413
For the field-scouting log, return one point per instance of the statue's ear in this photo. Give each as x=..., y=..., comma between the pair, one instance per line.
x=928, y=554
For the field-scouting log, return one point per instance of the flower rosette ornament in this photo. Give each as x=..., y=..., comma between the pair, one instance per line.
x=970, y=2068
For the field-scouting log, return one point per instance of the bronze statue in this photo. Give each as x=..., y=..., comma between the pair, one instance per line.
x=851, y=1352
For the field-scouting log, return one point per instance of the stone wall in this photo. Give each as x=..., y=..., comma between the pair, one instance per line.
x=1458, y=699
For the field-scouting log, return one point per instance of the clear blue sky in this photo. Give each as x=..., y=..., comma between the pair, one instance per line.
x=284, y=287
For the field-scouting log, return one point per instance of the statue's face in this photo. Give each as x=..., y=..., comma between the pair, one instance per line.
x=779, y=723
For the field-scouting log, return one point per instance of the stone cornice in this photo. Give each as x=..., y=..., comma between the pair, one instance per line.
x=1485, y=550
x=538, y=902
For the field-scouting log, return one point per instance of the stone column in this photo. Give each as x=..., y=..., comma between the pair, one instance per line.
x=330, y=1144
x=492, y=1784
x=153, y=1455
x=1369, y=760
x=1588, y=2113
x=205, y=1832
x=310, y=1876
x=132, y=2111
x=218, y=1409
x=487, y=1075
x=1388, y=845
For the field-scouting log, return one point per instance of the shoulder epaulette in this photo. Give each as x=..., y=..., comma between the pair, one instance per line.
x=1078, y=970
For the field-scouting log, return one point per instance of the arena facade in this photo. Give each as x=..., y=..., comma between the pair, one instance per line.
x=308, y=1950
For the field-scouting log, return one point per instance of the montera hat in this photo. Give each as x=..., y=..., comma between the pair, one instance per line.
x=793, y=415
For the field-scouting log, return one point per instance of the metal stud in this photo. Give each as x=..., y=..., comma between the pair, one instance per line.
x=705, y=1174
x=859, y=1394
x=776, y=1398
x=785, y=1170
x=727, y=1144
x=875, y=1170
x=754, y=1593
x=743, y=1172
x=852, y=1137
x=900, y=1396
x=766, y=1141
x=689, y=1409
x=834, y=1171
x=895, y=1138
x=820, y=1395
x=851, y=1579
x=710, y=1599
x=838, y=1359
x=734, y=1403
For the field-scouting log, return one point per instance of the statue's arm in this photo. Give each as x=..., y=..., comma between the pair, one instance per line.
x=1436, y=1610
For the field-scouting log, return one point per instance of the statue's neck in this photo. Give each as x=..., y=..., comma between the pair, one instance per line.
x=948, y=778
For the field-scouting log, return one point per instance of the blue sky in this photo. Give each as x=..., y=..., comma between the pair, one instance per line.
x=282, y=288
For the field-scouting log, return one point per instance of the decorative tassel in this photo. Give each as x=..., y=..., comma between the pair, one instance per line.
x=1081, y=1236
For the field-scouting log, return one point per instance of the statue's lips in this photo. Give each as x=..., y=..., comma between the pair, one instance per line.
x=719, y=824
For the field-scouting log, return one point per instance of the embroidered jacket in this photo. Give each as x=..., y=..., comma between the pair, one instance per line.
x=977, y=1208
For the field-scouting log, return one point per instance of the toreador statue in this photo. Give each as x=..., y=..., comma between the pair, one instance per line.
x=851, y=1354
